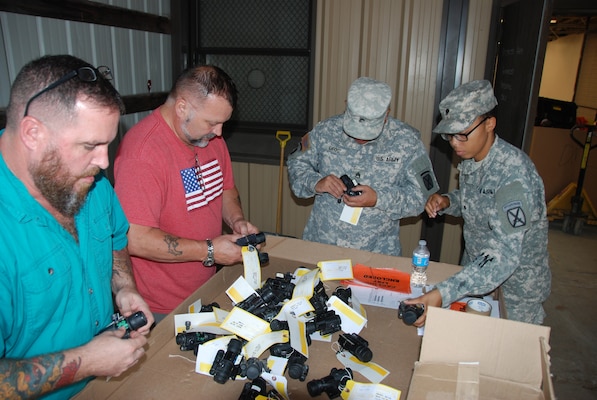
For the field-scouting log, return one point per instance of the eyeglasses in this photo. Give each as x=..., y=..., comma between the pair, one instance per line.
x=461, y=137
x=198, y=173
x=86, y=74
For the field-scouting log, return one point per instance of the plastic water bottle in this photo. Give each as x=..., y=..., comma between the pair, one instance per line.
x=420, y=262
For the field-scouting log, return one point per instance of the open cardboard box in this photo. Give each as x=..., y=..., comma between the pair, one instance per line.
x=166, y=372
x=465, y=356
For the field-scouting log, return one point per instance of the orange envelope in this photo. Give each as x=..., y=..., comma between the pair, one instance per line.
x=383, y=278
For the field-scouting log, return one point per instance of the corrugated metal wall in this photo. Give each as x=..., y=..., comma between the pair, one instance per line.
x=134, y=56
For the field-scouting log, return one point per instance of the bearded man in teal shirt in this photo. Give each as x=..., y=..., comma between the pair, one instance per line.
x=62, y=235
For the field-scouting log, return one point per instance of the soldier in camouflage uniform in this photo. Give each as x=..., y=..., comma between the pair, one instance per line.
x=502, y=201
x=383, y=155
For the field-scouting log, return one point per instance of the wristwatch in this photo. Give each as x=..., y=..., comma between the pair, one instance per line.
x=210, y=260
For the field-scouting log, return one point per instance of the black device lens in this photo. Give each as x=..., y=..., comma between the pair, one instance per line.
x=409, y=313
x=356, y=345
x=136, y=320
x=252, y=239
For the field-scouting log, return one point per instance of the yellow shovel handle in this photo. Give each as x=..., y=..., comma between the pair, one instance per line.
x=283, y=137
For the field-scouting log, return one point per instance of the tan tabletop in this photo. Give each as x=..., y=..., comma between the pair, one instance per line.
x=166, y=374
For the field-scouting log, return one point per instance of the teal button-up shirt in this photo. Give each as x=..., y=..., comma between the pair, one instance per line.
x=55, y=293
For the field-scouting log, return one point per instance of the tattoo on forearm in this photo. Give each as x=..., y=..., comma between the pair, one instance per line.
x=122, y=270
x=69, y=371
x=172, y=242
x=121, y=266
x=24, y=379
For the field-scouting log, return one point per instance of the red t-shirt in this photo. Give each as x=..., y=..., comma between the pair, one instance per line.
x=160, y=184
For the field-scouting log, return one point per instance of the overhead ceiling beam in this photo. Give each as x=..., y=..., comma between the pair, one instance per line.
x=89, y=12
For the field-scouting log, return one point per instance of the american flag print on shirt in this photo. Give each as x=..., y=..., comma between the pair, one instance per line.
x=202, y=184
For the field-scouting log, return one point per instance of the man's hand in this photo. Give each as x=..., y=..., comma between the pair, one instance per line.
x=367, y=198
x=330, y=184
x=226, y=251
x=244, y=227
x=110, y=355
x=436, y=203
x=129, y=301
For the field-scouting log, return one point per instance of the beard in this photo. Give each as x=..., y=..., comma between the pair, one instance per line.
x=54, y=181
x=202, y=142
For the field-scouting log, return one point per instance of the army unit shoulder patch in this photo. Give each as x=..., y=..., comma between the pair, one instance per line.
x=515, y=214
x=512, y=207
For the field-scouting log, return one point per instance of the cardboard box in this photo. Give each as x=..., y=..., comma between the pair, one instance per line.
x=465, y=356
x=168, y=373
x=558, y=159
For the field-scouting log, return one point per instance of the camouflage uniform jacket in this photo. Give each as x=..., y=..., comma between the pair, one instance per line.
x=395, y=165
x=502, y=202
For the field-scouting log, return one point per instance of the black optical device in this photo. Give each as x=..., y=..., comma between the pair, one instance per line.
x=276, y=290
x=409, y=313
x=296, y=367
x=343, y=293
x=278, y=325
x=226, y=364
x=191, y=340
x=257, y=387
x=356, y=345
x=332, y=385
x=131, y=323
x=254, y=239
x=319, y=298
x=326, y=323
x=350, y=183
x=256, y=306
x=209, y=307
x=267, y=301
x=284, y=350
x=253, y=367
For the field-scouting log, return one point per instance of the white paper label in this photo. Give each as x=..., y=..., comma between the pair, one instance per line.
x=252, y=266
x=244, y=324
x=198, y=322
x=263, y=342
x=240, y=290
x=371, y=391
x=335, y=270
x=352, y=321
x=373, y=372
x=351, y=214
x=305, y=283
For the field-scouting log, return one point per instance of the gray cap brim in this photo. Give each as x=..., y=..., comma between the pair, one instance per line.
x=361, y=128
x=463, y=105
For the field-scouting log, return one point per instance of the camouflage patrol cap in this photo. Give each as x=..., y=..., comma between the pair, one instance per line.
x=366, y=106
x=464, y=104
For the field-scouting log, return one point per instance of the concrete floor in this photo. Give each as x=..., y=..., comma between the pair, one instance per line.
x=572, y=312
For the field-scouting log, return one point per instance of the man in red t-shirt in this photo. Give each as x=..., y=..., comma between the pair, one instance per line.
x=173, y=176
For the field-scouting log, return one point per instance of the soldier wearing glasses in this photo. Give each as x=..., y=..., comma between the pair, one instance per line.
x=63, y=237
x=502, y=201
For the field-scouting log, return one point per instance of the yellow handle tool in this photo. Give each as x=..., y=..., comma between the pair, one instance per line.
x=283, y=137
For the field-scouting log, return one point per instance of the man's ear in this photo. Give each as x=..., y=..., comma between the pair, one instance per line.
x=180, y=107
x=32, y=132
